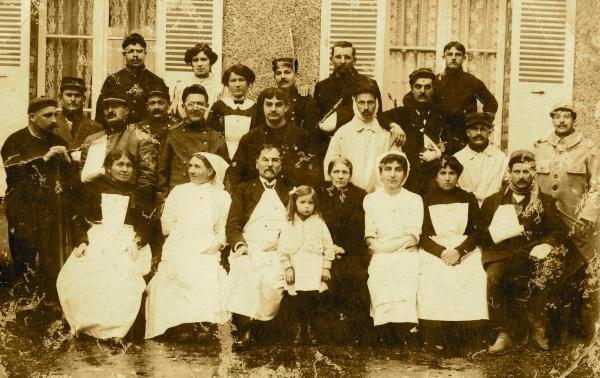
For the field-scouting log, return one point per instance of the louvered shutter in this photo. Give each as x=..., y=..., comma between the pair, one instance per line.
x=542, y=41
x=355, y=21
x=10, y=33
x=187, y=22
x=541, y=70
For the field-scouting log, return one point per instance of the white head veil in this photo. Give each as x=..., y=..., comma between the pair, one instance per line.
x=357, y=113
x=218, y=164
x=379, y=182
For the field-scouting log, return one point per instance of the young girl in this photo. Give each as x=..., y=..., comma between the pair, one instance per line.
x=306, y=251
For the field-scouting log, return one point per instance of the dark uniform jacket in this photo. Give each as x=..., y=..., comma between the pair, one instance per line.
x=459, y=92
x=182, y=141
x=297, y=111
x=135, y=84
x=158, y=129
x=244, y=199
x=80, y=129
x=541, y=222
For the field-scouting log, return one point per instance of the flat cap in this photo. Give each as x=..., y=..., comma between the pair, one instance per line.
x=421, y=73
x=479, y=118
x=40, y=103
x=72, y=82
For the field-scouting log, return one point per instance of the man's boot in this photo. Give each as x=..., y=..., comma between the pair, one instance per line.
x=502, y=344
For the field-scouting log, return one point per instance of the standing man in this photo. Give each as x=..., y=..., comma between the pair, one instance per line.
x=185, y=139
x=299, y=165
x=284, y=72
x=520, y=234
x=485, y=165
x=39, y=179
x=425, y=131
x=256, y=217
x=134, y=81
x=459, y=92
x=72, y=125
x=569, y=170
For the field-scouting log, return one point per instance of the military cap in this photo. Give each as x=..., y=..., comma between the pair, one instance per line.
x=159, y=91
x=421, y=73
x=520, y=156
x=39, y=103
x=286, y=62
x=478, y=118
x=72, y=82
x=115, y=95
x=563, y=106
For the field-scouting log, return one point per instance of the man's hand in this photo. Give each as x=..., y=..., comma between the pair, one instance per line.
x=57, y=150
x=290, y=277
x=338, y=251
x=450, y=256
x=305, y=90
x=328, y=125
x=326, y=275
x=80, y=249
x=428, y=155
x=241, y=250
x=398, y=135
x=540, y=251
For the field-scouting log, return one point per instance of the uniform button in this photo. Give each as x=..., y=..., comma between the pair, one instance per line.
x=205, y=142
x=184, y=174
x=555, y=187
x=556, y=176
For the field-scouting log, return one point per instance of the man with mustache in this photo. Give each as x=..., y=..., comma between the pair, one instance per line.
x=299, y=164
x=134, y=81
x=361, y=140
x=425, y=131
x=568, y=169
x=459, y=92
x=521, y=234
x=485, y=165
x=72, y=124
x=185, y=139
x=284, y=72
x=40, y=178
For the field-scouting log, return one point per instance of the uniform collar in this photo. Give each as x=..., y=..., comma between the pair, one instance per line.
x=568, y=141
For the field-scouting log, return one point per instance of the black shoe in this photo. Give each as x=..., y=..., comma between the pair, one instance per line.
x=577, y=329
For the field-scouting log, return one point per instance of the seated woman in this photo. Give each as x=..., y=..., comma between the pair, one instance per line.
x=189, y=284
x=341, y=209
x=393, y=220
x=452, y=282
x=101, y=285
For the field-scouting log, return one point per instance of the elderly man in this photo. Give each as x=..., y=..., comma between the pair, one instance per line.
x=361, y=140
x=185, y=139
x=423, y=126
x=39, y=178
x=299, y=164
x=134, y=81
x=521, y=232
x=256, y=218
x=568, y=169
x=485, y=165
x=72, y=125
x=459, y=92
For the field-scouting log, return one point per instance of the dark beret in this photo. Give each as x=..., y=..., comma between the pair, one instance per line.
x=479, y=118
x=421, y=73
x=72, y=82
x=39, y=103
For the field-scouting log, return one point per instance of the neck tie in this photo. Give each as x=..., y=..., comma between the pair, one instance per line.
x=270, y=185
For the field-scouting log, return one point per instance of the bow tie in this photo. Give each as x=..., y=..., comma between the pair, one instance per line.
x=240, y=102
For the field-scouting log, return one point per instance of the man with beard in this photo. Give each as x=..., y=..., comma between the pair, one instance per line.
x=134, y=81
x=39, y=179
x=299, y=165
x=332, y=104
x=119, y=135
x=485, y=165
x=72, y=125
x=521, y=232
x=425, y=131
x=459, y=92
x=184, y=140
x=361, y=140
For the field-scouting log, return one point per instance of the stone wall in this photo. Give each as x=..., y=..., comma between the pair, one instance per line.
x=256, y=32
x=586, y=83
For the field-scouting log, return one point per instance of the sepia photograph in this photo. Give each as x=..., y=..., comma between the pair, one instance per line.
x=299, y=188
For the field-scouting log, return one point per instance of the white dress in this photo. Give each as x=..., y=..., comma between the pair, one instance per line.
x=393, y=277
x=451, y=293
x=255, y=281
x=189, y=285
x=306, y=246
x=101, y=292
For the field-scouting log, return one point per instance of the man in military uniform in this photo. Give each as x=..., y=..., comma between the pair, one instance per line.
x=284, y=72
x=72, y=124
x=569, y=170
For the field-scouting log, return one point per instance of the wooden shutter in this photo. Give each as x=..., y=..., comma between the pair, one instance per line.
x=355, y=21
x=10, y=33
x=542, y=41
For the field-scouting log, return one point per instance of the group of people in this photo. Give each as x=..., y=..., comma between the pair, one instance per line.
x=202, y=206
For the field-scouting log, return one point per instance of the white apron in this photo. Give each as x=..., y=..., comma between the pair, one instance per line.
x=101, y=292
x=189, y=285
x=236, y=126
x=451, y=293
x=255, y=282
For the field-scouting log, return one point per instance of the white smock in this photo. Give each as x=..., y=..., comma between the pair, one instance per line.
x=189, y=285
x=256, y=280
x=101, y=292
x=451, y=293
